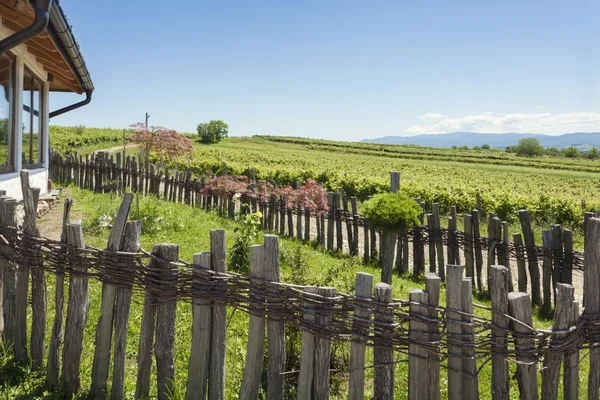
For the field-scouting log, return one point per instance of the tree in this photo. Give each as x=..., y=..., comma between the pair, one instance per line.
x=529, y=147
x=166, y=143
x=213, y=131
x=572, y=152
x=553, y=151
x=593, y=153
x=476, y=148
x=485, y=147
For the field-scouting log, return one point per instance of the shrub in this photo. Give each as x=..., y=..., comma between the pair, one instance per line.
x=213, y=131
x=572, y=152
x=593, y=153
x=166, y=143
x=485, y=146
x=392, y=212
x=239, y=260
x=529, y=147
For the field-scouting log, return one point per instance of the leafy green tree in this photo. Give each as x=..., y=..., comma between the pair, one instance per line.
x=572, y=152
x=593, y=153
x=476, y=148
x=485, y=147
x=213, y=131
x=529, y=147
x=553, y=151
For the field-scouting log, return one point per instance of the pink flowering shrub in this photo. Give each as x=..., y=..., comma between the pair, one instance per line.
x=165, y=143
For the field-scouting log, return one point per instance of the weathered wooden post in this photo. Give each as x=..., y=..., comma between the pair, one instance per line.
x=216, y=387
x=520, y=310
x=477, y=249
x=591, y=298
x=468, y=243
x=520, y=255
x=321, y=381
x=131, y=244
x=307, y=354
x=77, y=314
x=383, y=353
x=432, y=286
x=469, y=364
x=534, y=272
x=360, y=325
x=547, y=269
x=199, y=364
x=454, y=276
x=499, y=292
x=418, y=362
x=8, y=224
x=256, y=328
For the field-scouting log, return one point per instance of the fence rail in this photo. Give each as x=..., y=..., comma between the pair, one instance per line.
x=431, y=335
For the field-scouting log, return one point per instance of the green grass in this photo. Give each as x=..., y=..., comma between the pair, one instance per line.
x=189, y=227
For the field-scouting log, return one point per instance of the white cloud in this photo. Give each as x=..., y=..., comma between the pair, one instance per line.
x=540, y=107
x=432, y=116
x=521, y=123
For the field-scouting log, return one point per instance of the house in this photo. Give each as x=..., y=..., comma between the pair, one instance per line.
x=38, y=55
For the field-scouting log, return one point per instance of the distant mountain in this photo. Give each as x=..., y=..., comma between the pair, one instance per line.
x=583, y=141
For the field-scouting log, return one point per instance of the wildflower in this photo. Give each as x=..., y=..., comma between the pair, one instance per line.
x=258, y=214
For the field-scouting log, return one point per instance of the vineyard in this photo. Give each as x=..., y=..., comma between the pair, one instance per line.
x=552, y=188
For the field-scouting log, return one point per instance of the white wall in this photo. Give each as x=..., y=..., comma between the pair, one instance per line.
x=11, y=182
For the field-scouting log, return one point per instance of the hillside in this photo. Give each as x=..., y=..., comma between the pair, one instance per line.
x=581, y=140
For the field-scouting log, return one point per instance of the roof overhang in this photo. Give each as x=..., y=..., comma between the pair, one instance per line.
x=56, y=48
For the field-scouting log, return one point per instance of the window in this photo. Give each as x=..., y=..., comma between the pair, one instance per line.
x=32, y=123
x=6, y=119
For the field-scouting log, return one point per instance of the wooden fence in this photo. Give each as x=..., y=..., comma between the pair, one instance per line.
x=430, y=335
x=342, y=228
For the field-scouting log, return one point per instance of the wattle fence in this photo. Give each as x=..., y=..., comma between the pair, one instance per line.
x=426, y=248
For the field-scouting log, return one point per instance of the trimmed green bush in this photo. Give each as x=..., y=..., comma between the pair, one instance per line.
x=392, y=212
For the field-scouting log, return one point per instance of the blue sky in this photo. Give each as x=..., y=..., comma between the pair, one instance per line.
x=343, y=70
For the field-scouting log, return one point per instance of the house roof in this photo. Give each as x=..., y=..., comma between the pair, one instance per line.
x=55, y=48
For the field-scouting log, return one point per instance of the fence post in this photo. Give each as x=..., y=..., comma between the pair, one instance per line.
x=38, y=287
x=338, y=222
x=563, y=316
x=349, y=221
x=418, y=363
x=431, y=235
x=477, y=248
x=520, y=255
x=360, y=324
x=307, y=354
x=198, y=367
x=131, y=244
x=454, y=329
x=468, y=243
x=557, y=257
x=534, y=272
x=144, y=359
x=571, y=365
x=77, y=313
x=275, y=326
x=432, y=286
x=330, y=217
x=321, y=381
x=439, y=245
x=520, y=310
x=256, y=327
x=53, y=364
x=591, y=298
x=383, y=353
x=469, y=364
x=567, y=273
x=547, y=269
x=499, y=292
x=8, y=226
x=388, y=247
x=164, y=348
x=216, y=387
x=101, y=364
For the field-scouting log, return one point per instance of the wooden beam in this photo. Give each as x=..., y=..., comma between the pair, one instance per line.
x=73, y=88
x=46, y=59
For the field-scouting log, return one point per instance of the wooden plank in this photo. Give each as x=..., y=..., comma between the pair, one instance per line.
x=418, y=356
x=431, y=234
x=348, y=220
x=388, y=248
x=256, y=329
x=216, y=376
x=131, y=244
x=571, y=365
x=439, y=246
x=8, y=220
x=547, y=270
x=199, y=364
x=353, y=203
x=432, y=286
x=330, y=220
x=557, y=256
x=77, y=315
x=275, y=326
x=520, y=255
x=567, y=272
x=38, y=286
x=563, y=316
x=360, y=325
x=383, y=353
x=469, y=364
x=164, y=348
x=101, y=363
x=591, y=297
x=454, y=328
x=147, y=328
x=394, y=182
x=499, y=292
x=321, y=381
x=53, y=363
x=454, y=227
x=477, y=249
x=534, y=272
x=506, y=254
x=307, y=354
x=520, y=309
x=468, y=243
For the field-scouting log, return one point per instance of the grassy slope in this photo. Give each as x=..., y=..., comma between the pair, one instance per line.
x=189, y=227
